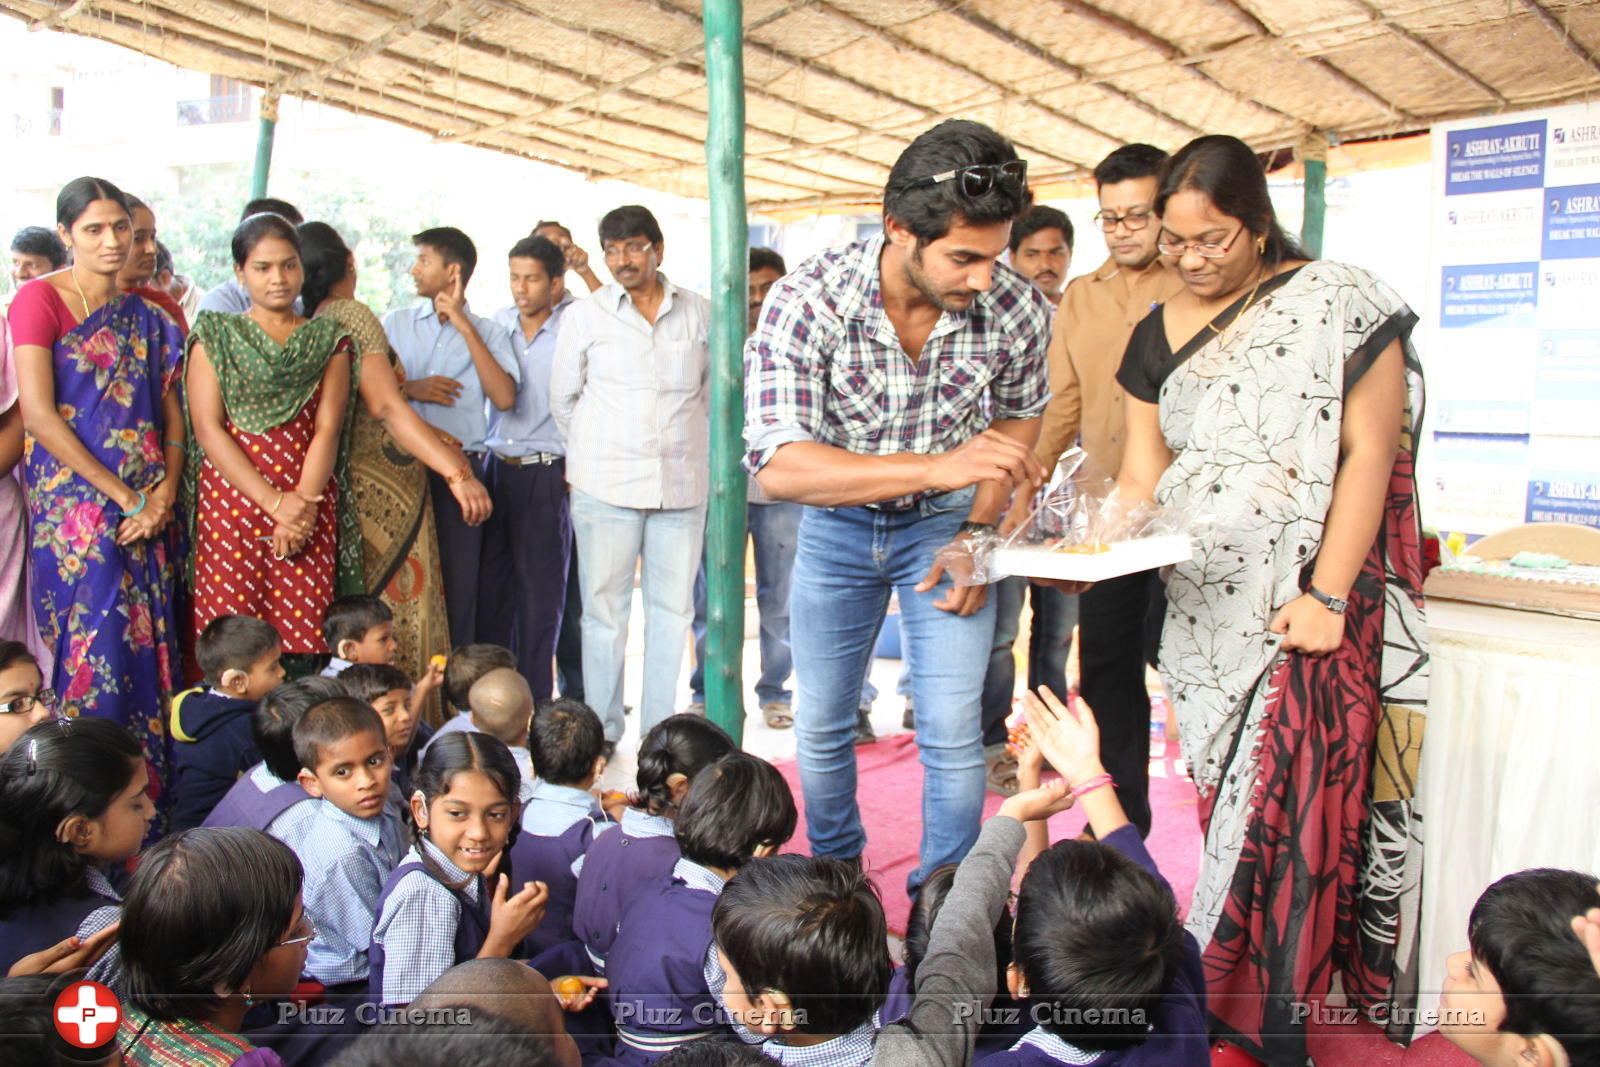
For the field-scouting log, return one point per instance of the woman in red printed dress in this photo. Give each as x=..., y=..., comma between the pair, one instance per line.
x=269, y=404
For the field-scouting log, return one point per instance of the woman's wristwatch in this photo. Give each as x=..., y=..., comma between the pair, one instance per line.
x=1337, y=605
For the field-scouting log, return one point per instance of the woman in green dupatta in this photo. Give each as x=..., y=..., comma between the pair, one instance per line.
x=269, y=405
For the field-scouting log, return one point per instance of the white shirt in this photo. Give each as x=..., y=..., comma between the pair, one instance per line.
x=632, y=398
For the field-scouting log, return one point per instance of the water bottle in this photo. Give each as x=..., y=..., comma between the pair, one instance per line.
x=1158, y=726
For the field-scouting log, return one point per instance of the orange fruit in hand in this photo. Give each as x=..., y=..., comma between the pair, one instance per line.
x=568, y=985
x=439, y=661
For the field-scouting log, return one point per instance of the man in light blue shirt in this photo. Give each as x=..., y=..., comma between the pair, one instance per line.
x=456, y=365
x=528, y=540
x=230, y=297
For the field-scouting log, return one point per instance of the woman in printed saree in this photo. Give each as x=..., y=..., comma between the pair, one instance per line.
x=391, y=451
x=96, y=371
x=1282, y=398
x=269, y=404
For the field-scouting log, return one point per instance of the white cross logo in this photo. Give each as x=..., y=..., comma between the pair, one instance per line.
x=87, y=1014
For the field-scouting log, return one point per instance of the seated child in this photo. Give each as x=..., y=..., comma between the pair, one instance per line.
x=354, y=842
x=1526, y=993
x=501, y=705
x=560, y=819
x=388, y=690
x=469, y=663
x=802, y=950
x=269, y=797
x=74, y=803
x=437, y=909
x=23, y=697
x=241, y=657
x=642, y=848
x=360, y=629
x=661, y=967
x=1097, y=928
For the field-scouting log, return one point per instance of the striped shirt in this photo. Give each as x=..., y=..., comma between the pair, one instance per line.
x=632, y=398
x=346, y=860
x=418, y=927
x=826, y=365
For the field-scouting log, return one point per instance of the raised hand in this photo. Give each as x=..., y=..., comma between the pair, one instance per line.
x=1068, y=736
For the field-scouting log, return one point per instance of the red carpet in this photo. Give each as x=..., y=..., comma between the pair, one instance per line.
x=889, y=788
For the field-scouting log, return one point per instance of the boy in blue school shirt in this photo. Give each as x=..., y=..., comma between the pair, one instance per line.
x=456, y=365
x=354, y=841
x=242, y=660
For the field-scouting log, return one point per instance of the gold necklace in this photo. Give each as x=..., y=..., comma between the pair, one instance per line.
x=74, y=272
x=1222, y=332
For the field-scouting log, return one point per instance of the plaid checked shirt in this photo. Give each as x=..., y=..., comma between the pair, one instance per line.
x=825, y=364
x=417, y=928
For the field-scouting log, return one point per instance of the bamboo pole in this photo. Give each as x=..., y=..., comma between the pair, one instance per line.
x=264, y=136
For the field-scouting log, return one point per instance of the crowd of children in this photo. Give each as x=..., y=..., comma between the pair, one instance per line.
x=341, y=883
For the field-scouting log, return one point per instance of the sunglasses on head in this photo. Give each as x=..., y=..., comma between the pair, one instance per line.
x=979, y=178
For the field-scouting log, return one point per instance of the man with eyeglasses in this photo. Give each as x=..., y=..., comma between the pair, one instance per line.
x=629, y=390
x=895, y=386
x=1097, y=316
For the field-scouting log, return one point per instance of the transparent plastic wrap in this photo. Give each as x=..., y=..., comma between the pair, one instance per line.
x=1080, y=530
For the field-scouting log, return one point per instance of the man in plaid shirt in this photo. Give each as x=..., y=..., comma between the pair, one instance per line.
x=895, y=386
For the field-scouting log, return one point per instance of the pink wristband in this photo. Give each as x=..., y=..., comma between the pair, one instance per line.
x=1091, y=785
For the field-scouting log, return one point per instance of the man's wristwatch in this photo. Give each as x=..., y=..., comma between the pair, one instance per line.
x=970, y=527
x=1332, y=603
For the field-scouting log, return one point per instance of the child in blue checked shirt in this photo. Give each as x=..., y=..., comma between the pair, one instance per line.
x=354, y=841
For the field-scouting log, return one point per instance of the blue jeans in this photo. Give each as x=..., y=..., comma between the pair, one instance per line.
x=848, y=562
x=1054, y=615
x=611, y=542
x=774, y=531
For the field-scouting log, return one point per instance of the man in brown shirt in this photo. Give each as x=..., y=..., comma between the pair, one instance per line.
x=1117, y=619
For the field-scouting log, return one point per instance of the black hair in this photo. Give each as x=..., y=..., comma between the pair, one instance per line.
x=13, y=653
x=163, y=258
x=202, y=909
x=326, y=259
x=929, y=211
x=715, y=1052
x=1097, y=938
x=57, y=769
x=38, y=241
x=270, y=205
x=233, y=642
x=456, y=753
x=1129, y=162
x=545, y=251
x=469, y=663
x=679, y=744
x=134, y=204
x=926, y=902
x=488, y=1038
x=1036, y=218
x=76, y=196
x=348, y=618
x=735, y=806
x=551, y=223
x=331, y=721
x=630, y=220
x=564, y=739
x=272, y=725
x=767, y=258
x=369, y=681
x=811, y=928
x=453, y=246
x=28, y=1031
x=1226, y=171
x=257, y=228
x=1521, y=928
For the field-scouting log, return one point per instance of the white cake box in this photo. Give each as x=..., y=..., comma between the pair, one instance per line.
x=1121, y=557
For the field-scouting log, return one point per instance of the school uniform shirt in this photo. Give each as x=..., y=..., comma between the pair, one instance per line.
x=847, y=1050
x=36, y=927
x=620, y=861
x=346, y=860
x=263, y=801
x=336, y=667
x=632, y=398
x=212, y=747
x=417, y=926
x=551, y=810
x=527, y=426
x=428, y=346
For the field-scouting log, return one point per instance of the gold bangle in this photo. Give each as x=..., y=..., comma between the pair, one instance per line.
x=276, y=503
x=460, y=476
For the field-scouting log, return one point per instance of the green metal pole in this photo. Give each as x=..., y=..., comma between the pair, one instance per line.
x=1314, y=157
x=269, y=126
x=730, y=281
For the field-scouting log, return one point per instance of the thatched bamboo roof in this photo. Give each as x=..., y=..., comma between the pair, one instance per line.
x=835, y=88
